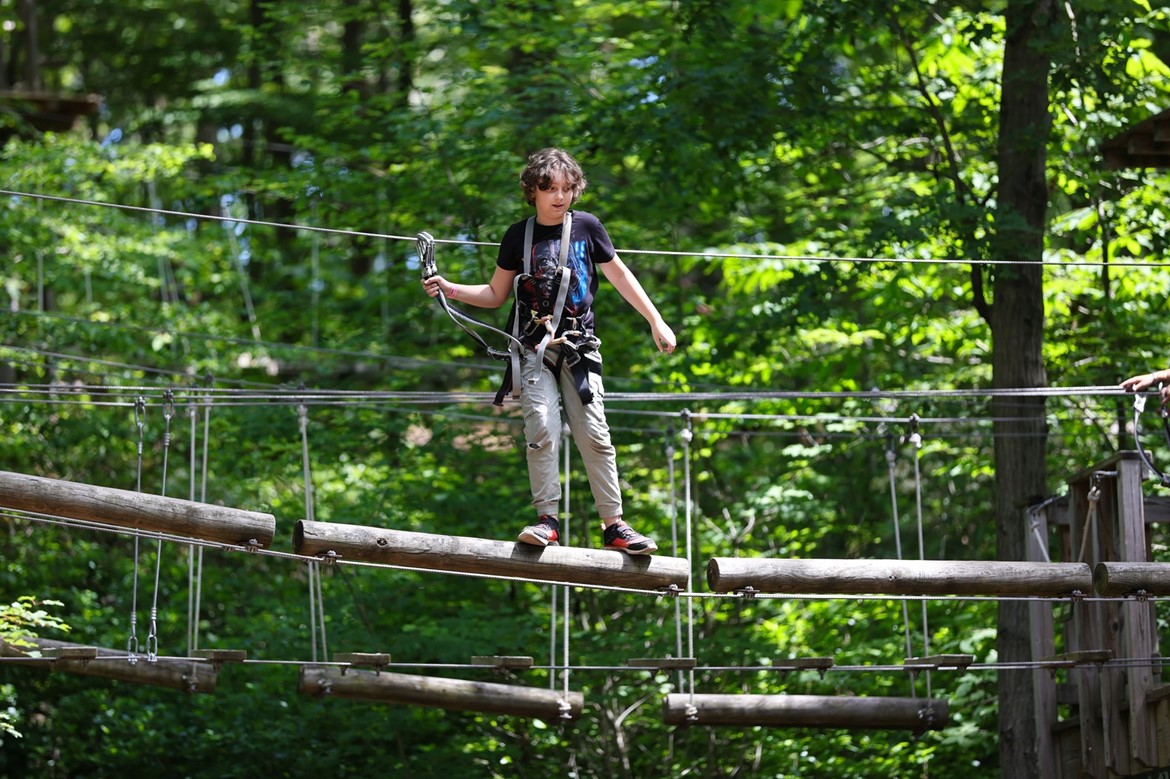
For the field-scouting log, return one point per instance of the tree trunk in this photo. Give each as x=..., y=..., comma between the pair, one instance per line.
x=1017, y=326
x=32, y=49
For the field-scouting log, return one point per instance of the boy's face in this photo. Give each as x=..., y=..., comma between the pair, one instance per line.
x=553, y=202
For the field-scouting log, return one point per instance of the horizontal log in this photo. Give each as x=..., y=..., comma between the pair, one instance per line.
x=186, y=675
x=898, y=577
x=496, y=558
x=1114, y=579
x=807, y=711
x=436, y=692
x=137, y=510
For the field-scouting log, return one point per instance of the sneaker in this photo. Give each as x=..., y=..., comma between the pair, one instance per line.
x=624, y=538
x=543, y=533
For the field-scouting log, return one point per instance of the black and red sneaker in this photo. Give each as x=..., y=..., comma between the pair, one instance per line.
x=543, y=533
x=624, y=538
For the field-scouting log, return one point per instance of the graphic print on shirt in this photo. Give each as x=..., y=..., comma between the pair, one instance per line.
x=545, y=271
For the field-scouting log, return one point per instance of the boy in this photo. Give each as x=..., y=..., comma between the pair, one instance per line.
x=560, y=363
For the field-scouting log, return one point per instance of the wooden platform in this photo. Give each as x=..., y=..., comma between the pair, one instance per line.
x=807, y=711
x=993, y=578
x=186, y=675
x=463, y=554
x=457, y=694
x=135, y=510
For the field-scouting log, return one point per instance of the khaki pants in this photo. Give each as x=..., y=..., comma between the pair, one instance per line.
x=542, y=402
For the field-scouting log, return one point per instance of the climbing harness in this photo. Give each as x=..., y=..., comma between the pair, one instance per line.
x=426, y=255
x=1139, y=405
x=537, y=321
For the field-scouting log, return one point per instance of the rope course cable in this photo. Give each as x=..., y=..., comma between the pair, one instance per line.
x=702, y=255
x=266, y=396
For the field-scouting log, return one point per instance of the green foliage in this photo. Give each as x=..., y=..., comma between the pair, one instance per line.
x=20, y=621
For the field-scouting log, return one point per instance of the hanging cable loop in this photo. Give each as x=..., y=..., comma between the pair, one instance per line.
x=425, y=245
x=1139, y=406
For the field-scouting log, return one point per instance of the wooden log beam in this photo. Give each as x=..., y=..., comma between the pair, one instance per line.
x=1116, y=579
x=138, y=510
x=807, y=711
x=898, y=577
x=457, y=694
x=187, y=675
x=497, y=558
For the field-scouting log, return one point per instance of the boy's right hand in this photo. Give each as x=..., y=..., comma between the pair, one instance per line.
x=1145, y=381
x=434, y=285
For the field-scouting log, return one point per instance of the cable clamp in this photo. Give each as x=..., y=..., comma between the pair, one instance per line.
x=330, y=557
x=566, y=710
x=673, y=590
x=748, y=593
x=252, y=545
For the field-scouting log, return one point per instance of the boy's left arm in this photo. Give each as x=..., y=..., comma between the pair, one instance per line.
x=627, y=285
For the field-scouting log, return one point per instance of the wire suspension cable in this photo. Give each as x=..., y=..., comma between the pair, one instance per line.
x=192, y=641
x=132, y=641
x=670, y=470
x=316, y=597
x=209, y=385
x=703, y=255
x=916, y=439
x=152, y=636
x=566, y=591
x=687, y=435
x=890, y=461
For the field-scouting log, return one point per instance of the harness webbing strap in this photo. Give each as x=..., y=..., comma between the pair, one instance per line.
x=558, y=307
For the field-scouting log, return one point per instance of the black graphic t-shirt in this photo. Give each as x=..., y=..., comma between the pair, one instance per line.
x=589, y=245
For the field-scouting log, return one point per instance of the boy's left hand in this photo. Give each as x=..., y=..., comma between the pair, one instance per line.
x=663, y=337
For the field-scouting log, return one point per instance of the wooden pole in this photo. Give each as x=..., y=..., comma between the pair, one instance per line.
x=186, y=675
x=498, y=558
x=138, y=510
x=1116, y=579
x=898, y=577
x=807, y=711
x=458, y=694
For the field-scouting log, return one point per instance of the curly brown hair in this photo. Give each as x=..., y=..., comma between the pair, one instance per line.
x=546, y=164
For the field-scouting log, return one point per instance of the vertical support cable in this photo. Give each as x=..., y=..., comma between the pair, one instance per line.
x=563, y=539
x=688, y=435
x=152, y=636
x=678, y=642
x=890, y=460
x=316, y=597
x=916, y=439
x=202, y=499
x=132, y=641
x=192, y=413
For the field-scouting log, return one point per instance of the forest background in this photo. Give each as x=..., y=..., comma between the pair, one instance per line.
x=816, y=194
